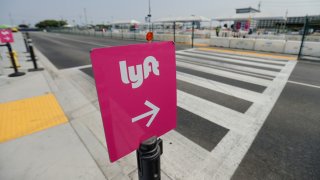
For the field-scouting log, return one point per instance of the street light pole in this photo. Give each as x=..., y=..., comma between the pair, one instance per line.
x=85, y=16
x=149, y=17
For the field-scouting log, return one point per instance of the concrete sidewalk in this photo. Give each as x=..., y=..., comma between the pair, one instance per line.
x=73, y=150
x=55, y=152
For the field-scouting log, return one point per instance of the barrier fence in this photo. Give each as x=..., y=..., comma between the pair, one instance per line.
x=305, y=44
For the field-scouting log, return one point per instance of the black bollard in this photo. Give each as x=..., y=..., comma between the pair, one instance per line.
x=33, y=58
x=148, y=157
x=26, y=44
x=27, y=35
x=16, y=71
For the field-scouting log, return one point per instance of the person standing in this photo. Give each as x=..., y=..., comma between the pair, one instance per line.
x=217, y=31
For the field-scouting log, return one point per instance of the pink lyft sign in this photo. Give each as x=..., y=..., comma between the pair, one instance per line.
x=136, y=86
x=6, y=36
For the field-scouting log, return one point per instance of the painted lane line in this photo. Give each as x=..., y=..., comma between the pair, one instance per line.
x=229, y=60
x=86, y=42
x=244, y=78
x=228, y=69
x=76, y=68
x=230, y=66
x=252, y=54
x=174, y=162
x=304, y=84
x=243, y=57
x=215, y=113
x=217, y=155
x=227, y=155
x=223, y=88
x=260, y=113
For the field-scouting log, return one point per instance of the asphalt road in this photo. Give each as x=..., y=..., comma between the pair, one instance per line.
x=220, y=96
x=288, y=145
x=67, y=51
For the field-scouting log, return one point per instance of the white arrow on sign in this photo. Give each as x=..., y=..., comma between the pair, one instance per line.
x=7, y=38
x=154, y=111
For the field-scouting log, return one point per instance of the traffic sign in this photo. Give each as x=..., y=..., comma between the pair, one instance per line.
x=149, y=36
x=136, y=86
x=6, y=36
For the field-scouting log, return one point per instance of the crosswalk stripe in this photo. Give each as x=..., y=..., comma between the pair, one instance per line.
x=223, y=88
x=245, y=78
x=230, y=66
x=176, y=152
x=273, y=61
x=215, y=113
x=230, y=60
x=227, y=155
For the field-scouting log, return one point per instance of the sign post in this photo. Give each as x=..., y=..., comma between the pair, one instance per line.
x=136, y=87
x=7, y=37
x=148, y=158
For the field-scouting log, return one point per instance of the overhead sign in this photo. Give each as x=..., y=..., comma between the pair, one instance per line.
x=6, y=36
x=136, y=86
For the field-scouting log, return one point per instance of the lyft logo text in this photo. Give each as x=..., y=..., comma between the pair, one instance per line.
x=136, y=74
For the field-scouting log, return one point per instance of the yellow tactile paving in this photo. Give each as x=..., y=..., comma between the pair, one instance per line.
x=26, y=116
x=284, y=57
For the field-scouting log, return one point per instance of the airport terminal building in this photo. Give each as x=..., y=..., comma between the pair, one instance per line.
x=254, y=19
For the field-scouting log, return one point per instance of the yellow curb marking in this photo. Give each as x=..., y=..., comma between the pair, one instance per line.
x=249, y=53
x=195, y=44
x=26, y=116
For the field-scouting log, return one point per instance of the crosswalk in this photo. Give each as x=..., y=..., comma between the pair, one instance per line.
x=233, y=94
x=223, y=101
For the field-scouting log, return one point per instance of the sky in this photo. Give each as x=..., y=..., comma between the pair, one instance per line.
x=102, y=11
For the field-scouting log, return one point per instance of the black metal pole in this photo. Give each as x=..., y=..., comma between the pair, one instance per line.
x=192, y=36
x=148, y=157
x=33, y=58
x=122, y=31
x=26, y=44
x=27, y=35
x=174, y=31
x=16, y=71
x=303, y=36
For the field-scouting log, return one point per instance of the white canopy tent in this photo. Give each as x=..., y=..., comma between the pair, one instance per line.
x=183, y=19
x=192, y=18
x=122, y=22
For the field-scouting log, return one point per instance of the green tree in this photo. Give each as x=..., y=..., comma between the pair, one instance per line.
x=50, y=23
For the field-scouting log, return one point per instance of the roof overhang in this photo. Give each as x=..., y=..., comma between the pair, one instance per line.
x=246, y=16
x=182, y=19
x=125, y=22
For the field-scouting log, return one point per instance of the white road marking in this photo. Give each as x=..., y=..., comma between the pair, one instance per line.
x=274, y=61
x=181, y=155
x=223, y=88
x=230, y=66
x=240, y=77
x=304, y=84
x=77, y=67
x=230, y=60
x=85, y=42
x=226, y=157
x=187, y=160
x=215, y=113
